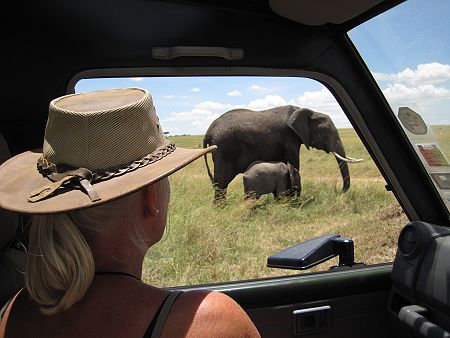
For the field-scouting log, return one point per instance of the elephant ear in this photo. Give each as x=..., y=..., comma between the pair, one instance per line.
x=291, y=171
x=299, y=123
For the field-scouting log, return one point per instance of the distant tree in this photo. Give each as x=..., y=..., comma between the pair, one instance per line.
x=166, y=132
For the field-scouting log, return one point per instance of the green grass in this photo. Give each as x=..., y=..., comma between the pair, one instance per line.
x=207, y=244
x=188, y=141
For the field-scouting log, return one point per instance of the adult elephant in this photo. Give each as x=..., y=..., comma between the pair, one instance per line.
x=244, y=136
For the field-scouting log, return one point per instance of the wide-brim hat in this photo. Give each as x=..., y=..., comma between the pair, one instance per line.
x=98, y=146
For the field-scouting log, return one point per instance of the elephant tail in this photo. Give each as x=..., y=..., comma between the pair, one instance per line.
x=205, y=144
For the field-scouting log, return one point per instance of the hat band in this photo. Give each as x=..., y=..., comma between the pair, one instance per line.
x=65, y=176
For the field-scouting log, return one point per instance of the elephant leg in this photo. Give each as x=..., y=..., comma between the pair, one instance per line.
x=248, y=191
x=291, y=154
x=223, y=175
x=280, y=190
x=251, y=195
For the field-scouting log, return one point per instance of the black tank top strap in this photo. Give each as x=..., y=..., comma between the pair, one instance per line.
x=99, y=273
x=154, y=330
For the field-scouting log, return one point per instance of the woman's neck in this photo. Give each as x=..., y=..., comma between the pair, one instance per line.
x=117, y=251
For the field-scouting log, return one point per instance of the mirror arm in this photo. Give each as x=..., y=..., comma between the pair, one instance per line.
x=312, y=252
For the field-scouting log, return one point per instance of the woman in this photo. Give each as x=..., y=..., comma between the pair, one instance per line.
x=99, y=195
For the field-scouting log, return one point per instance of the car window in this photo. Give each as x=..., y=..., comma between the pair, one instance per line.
x=206, y=242
x=407, y=49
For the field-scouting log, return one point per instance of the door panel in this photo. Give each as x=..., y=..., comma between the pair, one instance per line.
x=357, y=297
x=352, y=316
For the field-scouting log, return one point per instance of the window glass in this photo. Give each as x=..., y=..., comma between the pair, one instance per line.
x=205, y=243
x=407, y=50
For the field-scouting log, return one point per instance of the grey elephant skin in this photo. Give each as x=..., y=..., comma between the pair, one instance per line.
x=244, y=136
x=278, y=178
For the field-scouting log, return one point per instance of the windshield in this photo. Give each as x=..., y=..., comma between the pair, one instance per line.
x=208, y=243
x=407, y=49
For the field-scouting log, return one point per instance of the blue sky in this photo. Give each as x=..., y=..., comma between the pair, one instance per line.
x=406, y=49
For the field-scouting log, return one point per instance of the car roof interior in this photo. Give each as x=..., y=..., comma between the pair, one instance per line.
x=58, y=41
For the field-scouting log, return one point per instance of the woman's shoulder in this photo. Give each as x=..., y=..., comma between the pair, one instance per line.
x=203, y=313
x=123, y=308
x=112, y=307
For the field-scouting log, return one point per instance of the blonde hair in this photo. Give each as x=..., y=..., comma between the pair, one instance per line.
x=60, y=265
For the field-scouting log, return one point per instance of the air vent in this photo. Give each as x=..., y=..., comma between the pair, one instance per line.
x=408, y=241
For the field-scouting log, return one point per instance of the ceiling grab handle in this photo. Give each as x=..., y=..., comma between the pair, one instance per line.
x=169, y=53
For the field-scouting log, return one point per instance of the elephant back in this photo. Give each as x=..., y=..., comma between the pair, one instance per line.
x=248, y=122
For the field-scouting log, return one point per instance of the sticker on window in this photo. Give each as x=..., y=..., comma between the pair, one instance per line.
x=442, y=180
x=412, y=121
x=432, y=155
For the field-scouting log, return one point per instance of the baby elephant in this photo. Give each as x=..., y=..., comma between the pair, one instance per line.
x=278, y=178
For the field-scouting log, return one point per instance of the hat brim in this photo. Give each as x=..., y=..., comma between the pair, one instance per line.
x=20, y=177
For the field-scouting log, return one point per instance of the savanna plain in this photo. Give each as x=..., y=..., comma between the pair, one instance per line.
x=206, y=244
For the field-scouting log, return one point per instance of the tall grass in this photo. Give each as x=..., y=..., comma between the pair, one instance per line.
x=207, y=244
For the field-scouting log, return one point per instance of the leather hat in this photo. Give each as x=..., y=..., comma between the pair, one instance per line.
x=98, y=146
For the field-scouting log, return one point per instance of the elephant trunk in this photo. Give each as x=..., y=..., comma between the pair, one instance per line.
x=343, y=166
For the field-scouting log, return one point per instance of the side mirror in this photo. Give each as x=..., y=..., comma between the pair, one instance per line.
x=312, y=252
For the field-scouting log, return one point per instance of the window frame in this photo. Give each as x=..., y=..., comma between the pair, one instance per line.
x=336, y=89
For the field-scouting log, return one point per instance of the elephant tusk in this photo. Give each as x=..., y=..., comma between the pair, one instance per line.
x=355, y=159
x=347, y=159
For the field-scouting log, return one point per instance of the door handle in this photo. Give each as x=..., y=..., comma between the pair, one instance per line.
x=311, y=320
x=420, y=325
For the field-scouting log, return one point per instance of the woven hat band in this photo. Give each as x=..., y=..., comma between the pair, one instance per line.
x=99, y=130
x=82, y=178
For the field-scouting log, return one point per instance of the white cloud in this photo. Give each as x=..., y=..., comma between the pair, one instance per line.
x=194, y=122
x=136, y=79
x=234, y=93
x=197, y=120
x=196, y=90
x=398, y=92
x=187, y=115
x=199, y=127
x=323, y=101
x=420, y=89
x=428, y=73
x=269, y=101
x=258, y=89
x=419, y=85
x=206, y=105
